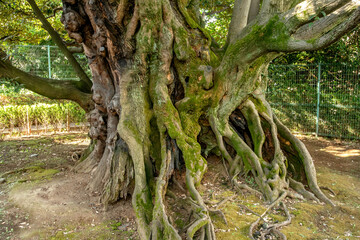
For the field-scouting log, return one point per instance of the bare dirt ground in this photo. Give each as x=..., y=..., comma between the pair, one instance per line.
x=42, y=198
x=335, y=154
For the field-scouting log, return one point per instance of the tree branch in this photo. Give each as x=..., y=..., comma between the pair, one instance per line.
x=4, y=38
x=254, y=10
x=239, y=18
x=54, y=12
x=265, y=7
x=15, y=10
x=325, y=31
x=75, y=49
x=324, y=24
x=54, y=89
x=58, y=41
x=309, y=10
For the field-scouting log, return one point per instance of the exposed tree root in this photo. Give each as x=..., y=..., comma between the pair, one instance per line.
x=203, y=222
x=270, y=175
x=328, y=189
x=261, y=233
x=295, y=195
x=215, y=207
x=251, y=211
x=233, y=178
x=220, y=214
x=117, y=183
x=88, y=162
x=299, y=188
x=306, y=159
x=16, y=171
x=268, y=184
x=219, y=204
x=274, y=228
x=161, y=228
x=239, y=186
x=178, y=184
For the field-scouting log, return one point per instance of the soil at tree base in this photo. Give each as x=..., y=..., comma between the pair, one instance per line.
x=45, y=200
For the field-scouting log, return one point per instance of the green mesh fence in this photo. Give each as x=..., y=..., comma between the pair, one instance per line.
x=45, y=61
x=323, y=99
x=24, y=114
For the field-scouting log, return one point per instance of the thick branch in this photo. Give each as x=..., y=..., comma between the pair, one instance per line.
x=326, y=39
x=54, y=89
x=307, y=11
x=239, y=18
x=254, y=10
x=75, y=49
x=58, y=41
x=325, y=24
x=276, y=31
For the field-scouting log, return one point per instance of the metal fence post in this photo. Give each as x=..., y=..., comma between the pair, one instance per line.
x=49, y=61
x=318, y=99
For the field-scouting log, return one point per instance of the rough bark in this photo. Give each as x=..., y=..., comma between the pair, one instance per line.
x=156, y=74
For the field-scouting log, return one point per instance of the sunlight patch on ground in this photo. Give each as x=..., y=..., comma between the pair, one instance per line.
x=341, y=151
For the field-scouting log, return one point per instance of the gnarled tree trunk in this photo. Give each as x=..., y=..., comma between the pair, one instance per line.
x=161, y=87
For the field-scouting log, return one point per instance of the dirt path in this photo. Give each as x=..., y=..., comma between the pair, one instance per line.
x=61, y=206
x=335, y=154
x=45, y=200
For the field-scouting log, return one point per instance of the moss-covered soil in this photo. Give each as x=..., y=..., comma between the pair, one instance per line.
x=42, y=199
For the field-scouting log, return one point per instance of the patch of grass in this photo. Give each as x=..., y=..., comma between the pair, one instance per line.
x=42, y=174
x=26, y=143
x=30, y=174
x=88, y=232
x=82, y=232
x=238, y=219
x=116, y=225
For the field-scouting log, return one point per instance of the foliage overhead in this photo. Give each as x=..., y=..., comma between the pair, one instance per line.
x=217, y=17
x=19, y=25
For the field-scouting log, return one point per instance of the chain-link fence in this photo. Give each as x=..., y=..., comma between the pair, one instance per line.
x=323, y=99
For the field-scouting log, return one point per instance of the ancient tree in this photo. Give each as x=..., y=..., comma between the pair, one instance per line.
x=165, y=94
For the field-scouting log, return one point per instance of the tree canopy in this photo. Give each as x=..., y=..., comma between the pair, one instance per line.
x=19, y=24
